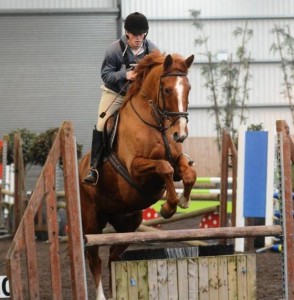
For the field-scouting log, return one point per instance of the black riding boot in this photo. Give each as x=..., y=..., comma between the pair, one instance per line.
x=96, y=155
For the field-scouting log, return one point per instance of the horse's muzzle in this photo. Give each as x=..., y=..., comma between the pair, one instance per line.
x=179, y=138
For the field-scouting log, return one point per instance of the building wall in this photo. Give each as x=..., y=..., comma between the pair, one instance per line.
x=56, y=4
x=50, y=67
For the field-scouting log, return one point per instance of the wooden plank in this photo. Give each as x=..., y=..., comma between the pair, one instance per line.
x=213, y=277
x=31, y=255
x=113, y=280
x=223, y=278
x=142, y=280
x=162, y=279
x=132, y=283
x=121, y=279
x=193, y=278
x=183, y=286
x=51, y=209
x=71, y=187
x=172, y=281
x=241, y=277
x=152, y=280
x=232, y=278
x=203, y=278
x=251, y=276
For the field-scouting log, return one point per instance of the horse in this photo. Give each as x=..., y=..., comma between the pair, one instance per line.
x=151, y=127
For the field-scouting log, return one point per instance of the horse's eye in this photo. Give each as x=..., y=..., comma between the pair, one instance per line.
x=167, y=91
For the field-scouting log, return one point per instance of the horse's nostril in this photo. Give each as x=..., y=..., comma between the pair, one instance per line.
x=176, y=137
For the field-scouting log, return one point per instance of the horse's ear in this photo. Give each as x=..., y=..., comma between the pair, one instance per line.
x=189, y=61
x=167, y=62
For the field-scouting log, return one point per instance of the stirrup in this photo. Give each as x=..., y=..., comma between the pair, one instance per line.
x=89, y=182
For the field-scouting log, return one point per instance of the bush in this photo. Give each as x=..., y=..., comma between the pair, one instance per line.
x=28, y=138
x=35, y=147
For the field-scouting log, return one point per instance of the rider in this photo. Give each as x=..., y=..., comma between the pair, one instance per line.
x=117, y=72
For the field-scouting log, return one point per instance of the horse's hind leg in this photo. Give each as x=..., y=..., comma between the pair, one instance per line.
x=95, y=267
x=188, y=175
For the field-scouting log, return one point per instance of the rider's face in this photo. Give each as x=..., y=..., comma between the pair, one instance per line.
x=135, y=40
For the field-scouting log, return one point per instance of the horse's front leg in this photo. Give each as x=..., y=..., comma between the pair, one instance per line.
x=142, y=167
x=188, y=175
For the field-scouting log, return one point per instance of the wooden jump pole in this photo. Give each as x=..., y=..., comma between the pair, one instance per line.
x=181, y=235
x=180, y=217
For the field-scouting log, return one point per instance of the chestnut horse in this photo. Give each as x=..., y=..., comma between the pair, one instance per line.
x=148, y=146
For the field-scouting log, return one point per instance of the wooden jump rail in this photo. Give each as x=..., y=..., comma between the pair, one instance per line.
x=181, y=235
x=64, y=146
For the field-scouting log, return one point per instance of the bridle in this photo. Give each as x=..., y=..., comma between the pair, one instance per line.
x=161, y=114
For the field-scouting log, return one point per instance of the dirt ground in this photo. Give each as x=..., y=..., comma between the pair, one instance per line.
x=269, y=268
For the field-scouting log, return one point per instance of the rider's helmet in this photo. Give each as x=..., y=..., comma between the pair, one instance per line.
x=136, y=23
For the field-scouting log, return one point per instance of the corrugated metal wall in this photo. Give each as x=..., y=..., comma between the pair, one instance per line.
x=50, y=69
x=56, y=4
x=172, y=30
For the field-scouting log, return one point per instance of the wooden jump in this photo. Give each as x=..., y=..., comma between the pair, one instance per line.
x=64, y=146
x=24, y=239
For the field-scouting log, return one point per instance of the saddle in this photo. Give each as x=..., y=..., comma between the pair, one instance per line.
x=109, y=140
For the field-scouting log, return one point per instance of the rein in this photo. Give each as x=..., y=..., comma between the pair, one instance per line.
x=162, y=114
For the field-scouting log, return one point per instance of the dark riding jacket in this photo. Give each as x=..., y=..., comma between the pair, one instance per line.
x=116, y=63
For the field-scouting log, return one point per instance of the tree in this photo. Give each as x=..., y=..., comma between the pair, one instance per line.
x=284, y=46
x=226, y=79
x=35, y=147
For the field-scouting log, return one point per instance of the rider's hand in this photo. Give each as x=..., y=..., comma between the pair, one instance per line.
x=131, y=75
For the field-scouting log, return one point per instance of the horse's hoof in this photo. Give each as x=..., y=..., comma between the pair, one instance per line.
x=184, y=202
x=166, y=214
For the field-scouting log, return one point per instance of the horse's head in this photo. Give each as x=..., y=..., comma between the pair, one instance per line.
x=162, y=81
x=174, y=92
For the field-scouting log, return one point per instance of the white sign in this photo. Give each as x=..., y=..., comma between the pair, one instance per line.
x=4, y=287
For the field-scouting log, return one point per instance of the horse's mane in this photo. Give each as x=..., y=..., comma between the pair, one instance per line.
x=155, y=58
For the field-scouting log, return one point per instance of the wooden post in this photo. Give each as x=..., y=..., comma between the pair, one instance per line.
x=224, y=181
x=286, y=159
x=72, y=194
x=19, y=185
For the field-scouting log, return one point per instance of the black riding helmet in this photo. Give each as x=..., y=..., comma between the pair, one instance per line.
x=136, y=23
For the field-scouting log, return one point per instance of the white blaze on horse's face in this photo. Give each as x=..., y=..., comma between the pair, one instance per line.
x=179, y=87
